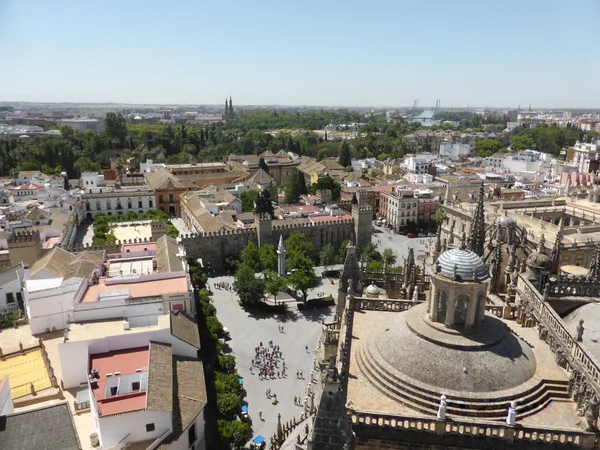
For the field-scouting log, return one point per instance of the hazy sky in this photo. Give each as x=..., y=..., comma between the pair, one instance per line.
x=302, y=52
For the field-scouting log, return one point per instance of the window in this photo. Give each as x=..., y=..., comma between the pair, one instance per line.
x=171, y=198
x=10, y=298
x=135, y=386
x=19, y=297
x=160, y=199
x=150, y=427
x=139, y=204
x=150, y=203
x=113, y=391
x=192, y=434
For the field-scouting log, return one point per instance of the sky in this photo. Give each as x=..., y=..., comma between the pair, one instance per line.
x=500, y=53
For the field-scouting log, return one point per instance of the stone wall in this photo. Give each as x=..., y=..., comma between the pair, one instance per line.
x=215, y=248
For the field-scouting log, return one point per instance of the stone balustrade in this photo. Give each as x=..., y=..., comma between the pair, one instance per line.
x=495, y=310
x=381, y=304
x=381, y=426
x=550, y=323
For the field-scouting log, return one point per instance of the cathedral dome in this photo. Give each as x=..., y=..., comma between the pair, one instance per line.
x=468, y=265
x=478, y=364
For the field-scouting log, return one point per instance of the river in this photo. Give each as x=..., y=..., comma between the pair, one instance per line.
x=425, y=118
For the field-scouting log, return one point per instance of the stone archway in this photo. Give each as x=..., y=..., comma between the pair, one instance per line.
x=442, y=306
x=460, y=309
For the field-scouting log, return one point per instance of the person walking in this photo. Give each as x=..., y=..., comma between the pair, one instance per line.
x=260, y=414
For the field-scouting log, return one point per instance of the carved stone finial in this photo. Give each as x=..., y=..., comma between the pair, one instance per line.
x=463, y=241
x=580, y=330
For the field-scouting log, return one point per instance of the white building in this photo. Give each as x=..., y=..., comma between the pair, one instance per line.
x=83, y=124
x=145, y=385
x=11, y=289
x=151, y=166
x=97, y=197
x=27, y=177
x=494, y=161
x=416, y=164
x=144, y=282
x=454, y=150
x=526, y=161
x=586, y=156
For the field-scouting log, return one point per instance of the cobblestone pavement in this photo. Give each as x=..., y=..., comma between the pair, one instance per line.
x=301, y=331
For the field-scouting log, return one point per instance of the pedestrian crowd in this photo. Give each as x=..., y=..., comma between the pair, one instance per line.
x=269, y=361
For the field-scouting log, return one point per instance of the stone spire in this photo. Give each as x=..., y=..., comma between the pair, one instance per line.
x=594, y=272
x=230, y=105
x=438, y=244
x=408, y=267
x=477, y=231
x=226, y=106
x=447, y=195
x=281, y=270
x=556, y=252
x=351, y=271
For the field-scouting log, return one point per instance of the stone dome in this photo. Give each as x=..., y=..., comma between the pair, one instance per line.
x=505, y=221
x=468, y=264
x=539, y=259
x=414, y=350
x=373, y=290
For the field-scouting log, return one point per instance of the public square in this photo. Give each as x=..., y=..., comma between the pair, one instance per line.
x=300, y=330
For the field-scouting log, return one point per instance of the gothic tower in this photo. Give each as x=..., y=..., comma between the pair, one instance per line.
x=477, y=231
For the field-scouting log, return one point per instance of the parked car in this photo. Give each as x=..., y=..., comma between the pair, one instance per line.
x=422, y=235
x=431, y=235
x=410, y=236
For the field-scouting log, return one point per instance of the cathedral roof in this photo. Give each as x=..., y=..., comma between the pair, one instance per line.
x=505, y=221
x=468, y=265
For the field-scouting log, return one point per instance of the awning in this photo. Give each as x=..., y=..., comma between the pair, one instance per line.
x=258, y=440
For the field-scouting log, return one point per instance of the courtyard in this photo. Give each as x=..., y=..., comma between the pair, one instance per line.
x=301, y=330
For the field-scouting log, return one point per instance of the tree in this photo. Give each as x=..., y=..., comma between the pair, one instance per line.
x=297, y=243
x=248, y=198
x=440, y=216
x=275, y=283
x=327, y=256
x=229, y=404
x=248, y=286
x=267, y=257
x=487, y=147
x=115, y=128
x=250, y=257
x=262, y=164
x=345, y=158
x=302, y=183
x=264, y=205
x=518, y=143
x=292, y=191
x=327, y=182
x=302, y=277
x=235, y=433
x=389, y=257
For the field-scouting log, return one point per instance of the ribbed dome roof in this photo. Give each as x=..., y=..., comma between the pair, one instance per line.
x=467, y=263
x=505, y=221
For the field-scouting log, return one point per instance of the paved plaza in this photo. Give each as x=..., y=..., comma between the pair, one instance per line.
x=301, y=330
x=384, y=238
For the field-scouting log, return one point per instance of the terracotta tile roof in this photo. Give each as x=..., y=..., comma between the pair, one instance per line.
x=185, y=328
x=163, y=179
x=37, y=214
x=159, y=396
x=56, y=262
x=189, y=398
x=260, y=177
x=166, y=255
x=79, y=269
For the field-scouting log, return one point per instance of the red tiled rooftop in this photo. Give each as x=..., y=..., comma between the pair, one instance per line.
x=146, y=246
x=127, y=362
x=138, y=289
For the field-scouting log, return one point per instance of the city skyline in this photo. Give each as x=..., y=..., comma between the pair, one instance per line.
x=267, y=53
